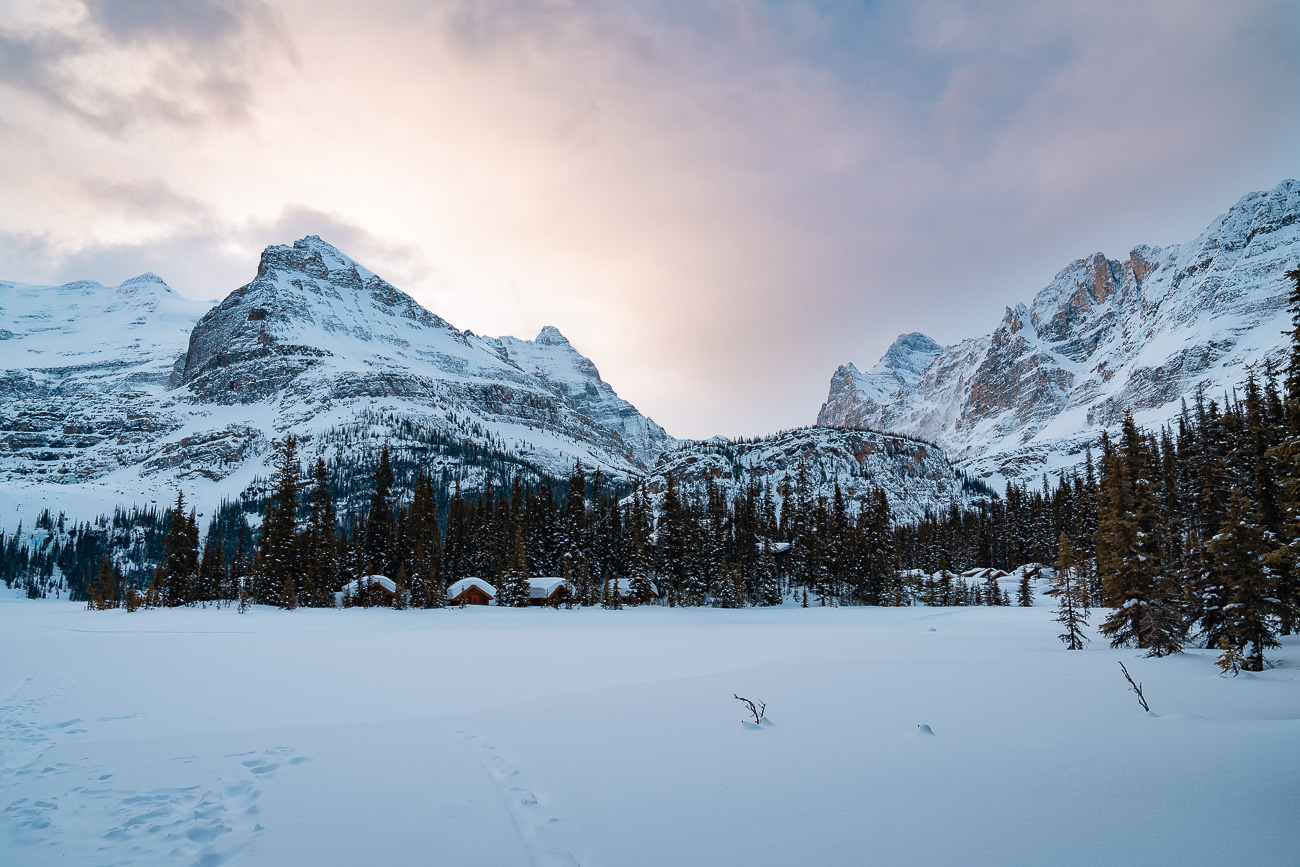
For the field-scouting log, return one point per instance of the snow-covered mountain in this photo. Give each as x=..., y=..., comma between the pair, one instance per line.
x=916, y=477
x=114, y=395
x=83, y=375
x=860, y=399
x=551, y=357
x=1102, y=338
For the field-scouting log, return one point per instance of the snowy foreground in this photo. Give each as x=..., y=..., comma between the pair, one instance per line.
x=486, y=736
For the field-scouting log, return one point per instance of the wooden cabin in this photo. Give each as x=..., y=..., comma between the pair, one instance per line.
x=548, y=590
x=471, y=591
x=625, y=595
x=378, y=590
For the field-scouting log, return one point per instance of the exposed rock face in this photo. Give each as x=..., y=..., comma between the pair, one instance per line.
x=554, y=359
x=1105, y=337
x=308, y=303
x=916, y=477
x=860, y=399
x=83, y=375
x=111, y=386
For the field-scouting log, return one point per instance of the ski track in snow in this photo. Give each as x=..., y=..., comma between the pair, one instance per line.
x=201, y=825
x=535, y=827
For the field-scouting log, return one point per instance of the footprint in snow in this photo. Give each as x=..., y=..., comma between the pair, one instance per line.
x=190, y=824
x=526, y=809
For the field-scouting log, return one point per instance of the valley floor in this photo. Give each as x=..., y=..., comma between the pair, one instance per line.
x=502, y=737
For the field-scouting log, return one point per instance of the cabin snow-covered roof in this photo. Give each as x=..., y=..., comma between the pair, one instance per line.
x=355, y=585
x=543, y=586
x=984, y=573
x=465, y=583
x=624, y=587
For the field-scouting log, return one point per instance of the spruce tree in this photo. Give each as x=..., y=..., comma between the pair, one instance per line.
x=1283, y=557
x=611, y=598
x=380, y=526
x=1068, y=589
x=513, y=590
x=769, y=582
x=1129, y=546
x=323, y=569
x=428, y=588
x=276, y=557
x=177, y=573
x=1249, y=618
x=1025, y=591
x=102, y=594
x=211, y=583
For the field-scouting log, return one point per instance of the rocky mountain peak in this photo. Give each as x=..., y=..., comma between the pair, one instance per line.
x=1104, y=337
x=554, y=359
x=308, y=302
x=313, y=257
x=129, y=386
x=910, y=353
x=858, y=398
x=551, y=336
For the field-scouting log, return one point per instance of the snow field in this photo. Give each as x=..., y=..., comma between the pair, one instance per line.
x=532, y=736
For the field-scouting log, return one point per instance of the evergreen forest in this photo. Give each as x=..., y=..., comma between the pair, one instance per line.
x=1189, y=534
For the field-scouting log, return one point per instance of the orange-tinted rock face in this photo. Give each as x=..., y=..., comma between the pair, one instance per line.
x=1102, y=338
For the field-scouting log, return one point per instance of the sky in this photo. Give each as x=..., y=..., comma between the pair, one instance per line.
x=717, y=201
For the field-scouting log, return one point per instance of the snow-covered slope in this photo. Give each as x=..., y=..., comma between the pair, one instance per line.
x=83, y=374
x=371, y=736
x=117, y=394
x=916, y=477
x=1104, y=337
x=860, y=399
x=554, y=359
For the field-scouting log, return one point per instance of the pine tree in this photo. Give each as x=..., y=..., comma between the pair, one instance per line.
x=769, y=581
x=638, y=565
x=323, y=570
x=276, y=558
x=1129, y=547
x=1068, y=590
x=728, y=589
x=380, y=529
x=1238, y=555
x=1283, y=557
x=513, y=590
x=102, y=594
x=610, y=596
x=1025, y=591
x=211, y=582
x=176, y=574
x=429, y=589
x=1231, y=659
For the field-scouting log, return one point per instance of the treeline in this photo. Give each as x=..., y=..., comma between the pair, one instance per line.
x=1188, y=534
x=680, y=551
x=59, y=556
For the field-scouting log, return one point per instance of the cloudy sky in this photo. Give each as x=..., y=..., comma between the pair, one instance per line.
x=718, y=201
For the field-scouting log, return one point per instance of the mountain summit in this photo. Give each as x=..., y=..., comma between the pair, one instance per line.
x=1103, y=338
x=316, y=345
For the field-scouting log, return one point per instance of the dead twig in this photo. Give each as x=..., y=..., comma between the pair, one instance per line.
x=756, y=711
x=1137, y=688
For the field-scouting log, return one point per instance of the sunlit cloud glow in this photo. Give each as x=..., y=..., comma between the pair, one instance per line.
x=718, y=202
